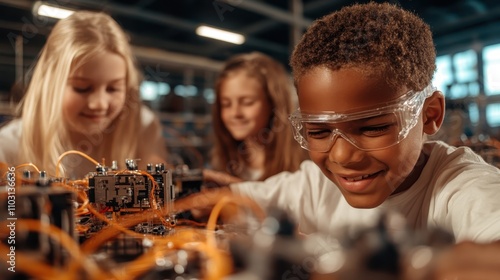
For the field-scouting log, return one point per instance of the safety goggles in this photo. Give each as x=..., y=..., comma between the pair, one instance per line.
x=367, y=130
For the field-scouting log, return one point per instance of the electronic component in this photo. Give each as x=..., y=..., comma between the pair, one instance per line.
x=129, y=189
x=187, y=181
x=133, y=190
x=36, y=208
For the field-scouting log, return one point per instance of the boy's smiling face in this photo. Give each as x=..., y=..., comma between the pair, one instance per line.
x=366, y=179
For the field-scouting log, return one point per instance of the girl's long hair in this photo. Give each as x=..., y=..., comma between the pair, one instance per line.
x=282, y=153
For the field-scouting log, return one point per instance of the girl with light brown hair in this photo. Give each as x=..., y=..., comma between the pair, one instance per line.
x=253, y=139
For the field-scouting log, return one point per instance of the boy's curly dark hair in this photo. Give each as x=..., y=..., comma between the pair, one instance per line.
x=378, y=38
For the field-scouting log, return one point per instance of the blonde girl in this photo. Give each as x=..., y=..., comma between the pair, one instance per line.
x=83, y=95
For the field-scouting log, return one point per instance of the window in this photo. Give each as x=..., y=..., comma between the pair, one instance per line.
x=491, y=61
x=493, y=114
x=458, y=91
x=473, y=113
x=457, y=75
x=465, y=64
x=152, y=90
x=209, y=95
x=444, y=75
x=186, y=91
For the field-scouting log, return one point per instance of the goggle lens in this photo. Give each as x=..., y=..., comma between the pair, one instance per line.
x=369, y=130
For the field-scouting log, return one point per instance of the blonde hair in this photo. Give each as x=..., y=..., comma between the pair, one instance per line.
x=282, y=153
x=72, y=42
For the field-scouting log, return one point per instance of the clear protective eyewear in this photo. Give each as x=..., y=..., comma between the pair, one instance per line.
x=367, y=130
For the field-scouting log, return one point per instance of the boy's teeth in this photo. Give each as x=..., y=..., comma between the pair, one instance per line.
x=357, y=178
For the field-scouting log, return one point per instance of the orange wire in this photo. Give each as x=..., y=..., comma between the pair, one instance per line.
x=29, y=265
x=28, y=164
x=73, y=152
x=220, y=262
x=229, y=199
x=58, y=235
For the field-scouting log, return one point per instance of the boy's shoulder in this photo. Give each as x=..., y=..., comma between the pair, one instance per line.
x=443, y=154
x=456, y=168
x=463, y=192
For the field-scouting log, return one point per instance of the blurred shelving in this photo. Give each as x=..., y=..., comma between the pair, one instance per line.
x=188, y=136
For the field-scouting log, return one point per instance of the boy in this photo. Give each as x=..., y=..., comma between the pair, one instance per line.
x=363, y=77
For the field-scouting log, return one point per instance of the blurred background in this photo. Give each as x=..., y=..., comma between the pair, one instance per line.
x=180, y=66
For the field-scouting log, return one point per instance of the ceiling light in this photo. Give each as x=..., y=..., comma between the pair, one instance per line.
x=219, y=34
x=43, y=9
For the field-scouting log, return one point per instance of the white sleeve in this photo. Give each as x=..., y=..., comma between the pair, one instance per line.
x=471, y=204
x=466, y=194
x=285, y=190
x=310, y=199
x=9, y=142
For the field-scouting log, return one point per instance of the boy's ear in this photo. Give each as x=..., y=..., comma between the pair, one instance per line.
x=433, y=113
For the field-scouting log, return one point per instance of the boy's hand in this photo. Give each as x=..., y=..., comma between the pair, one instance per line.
x=200, y=204
x=469, y=261
x=217, y=178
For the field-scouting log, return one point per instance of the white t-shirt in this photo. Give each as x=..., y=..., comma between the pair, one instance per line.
x=251, y=174
x=152, y=138
x=457, y=191
x=10, y=135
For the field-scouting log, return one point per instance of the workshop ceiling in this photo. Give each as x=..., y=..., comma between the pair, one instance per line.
x=163, y=32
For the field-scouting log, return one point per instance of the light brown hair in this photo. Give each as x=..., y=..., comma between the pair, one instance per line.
x=282, y=153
